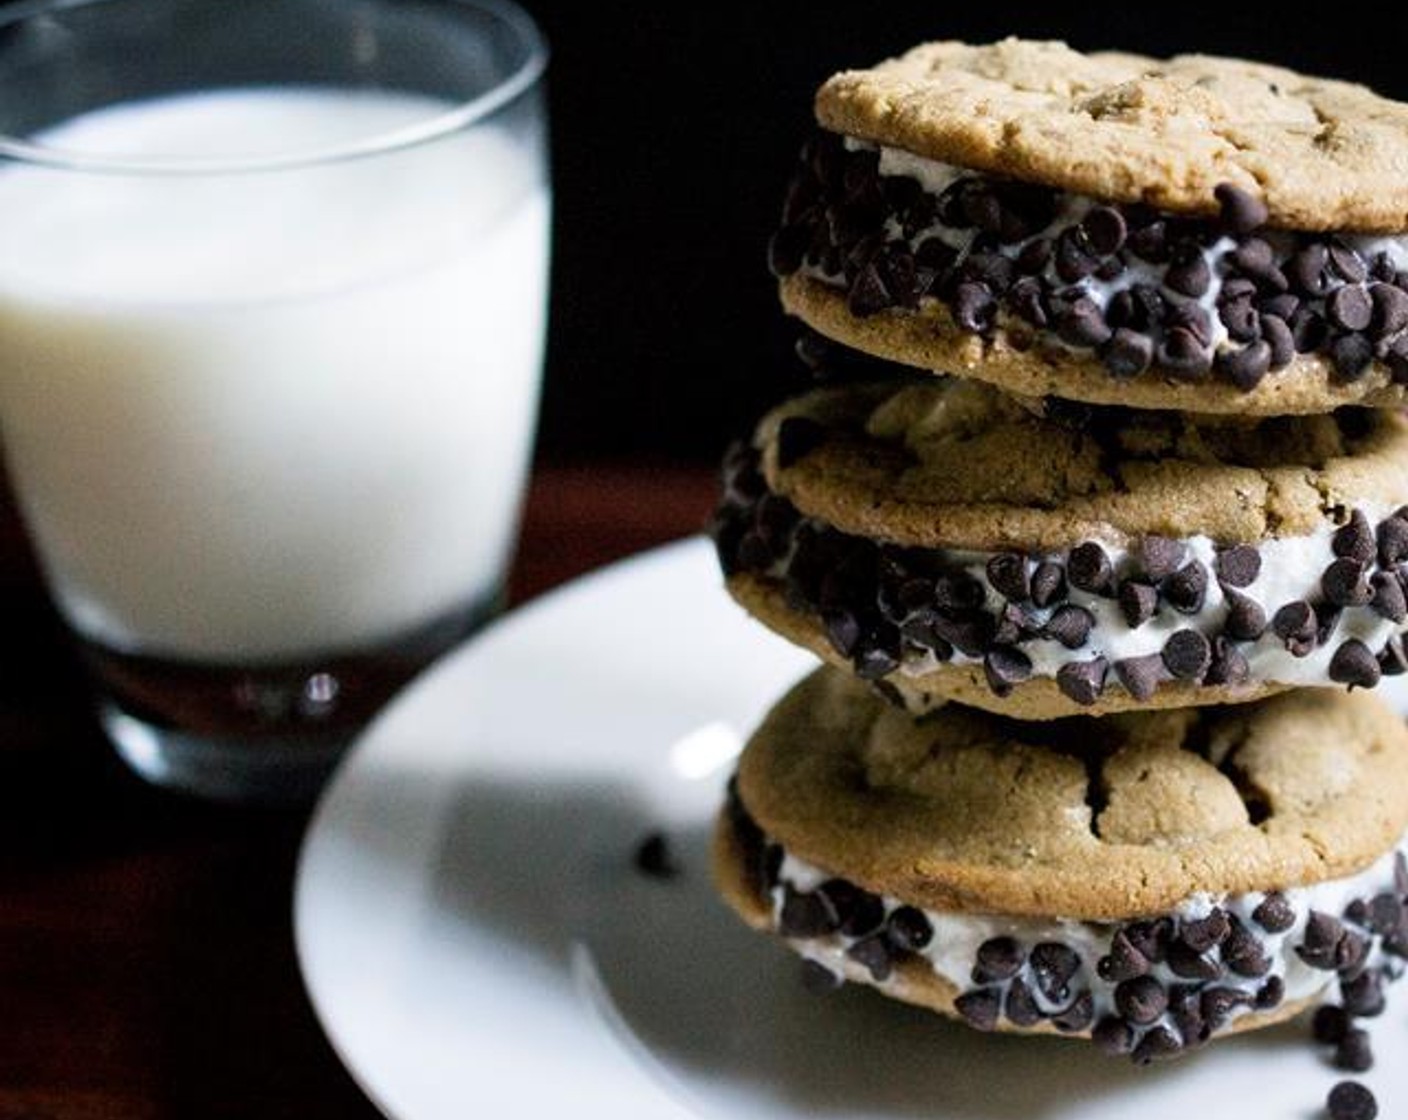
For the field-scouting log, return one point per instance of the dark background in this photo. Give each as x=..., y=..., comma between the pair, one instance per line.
x=674, y=128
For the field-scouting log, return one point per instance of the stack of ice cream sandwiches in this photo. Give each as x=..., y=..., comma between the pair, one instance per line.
x=1098, y=518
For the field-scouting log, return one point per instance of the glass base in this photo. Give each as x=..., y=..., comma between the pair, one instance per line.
x=270, y=772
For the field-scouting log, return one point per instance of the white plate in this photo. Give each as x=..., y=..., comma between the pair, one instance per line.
x=476, y=940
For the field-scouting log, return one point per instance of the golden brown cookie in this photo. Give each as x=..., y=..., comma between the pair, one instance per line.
x=1193, y=233
x=1145, y=880
x=1039, y=559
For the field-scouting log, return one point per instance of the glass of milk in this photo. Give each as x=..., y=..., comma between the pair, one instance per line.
x=272, y=306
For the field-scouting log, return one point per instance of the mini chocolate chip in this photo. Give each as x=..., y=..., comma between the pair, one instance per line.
x=654, y=858
x=1005, y=666
x=1012, y=626
x=797, y=437
x=1124, y=961
x=818, y=979
x=980, y=1009
x=1354, y=1052
x=1186, y=588
x=1322, y=933
x=1241, y=319
x=1246, y=365
x=958, y=592
x=1392, y=540
x=1355, y=665
x=1350, y=308
x=1202, y=934
x=805, y=915
x=1296, y=625
x=1388, y=599
x=974, y=307
x=1138, y=602
x=869, y=294
x=875, y=955
x=1183, y=356
x=1127, y=354
x=1228, y=665
x=1078, y=1016
x=908, y=928
x=1397, y=360
x=1083, y=681
x=1246, y=621
x=1278, y=337
x=1083, y=324
x=998, y=959
x=1073, y=261
x=1140, y=675
x=1007, y=572
x=1141, y=1000
x=1048, y=583
x=1158, y=557
x=1088, y=568
x=1188, y=273
x=1020, y=1006
x=1329, y=1024
x=1385, y=913
x=1241, y=211
x=1363, y=995
x=1187, y=655
x=872, y=663
x=1052, y=965
x=1257, y=260
x=1157, y=1044
x=1355, y=539
x=1306, y=270
x=1189, y=963
x=1104, y=229
x=1113, y=1035
x=1244, y=953
x=858, y=911
x=1351, y=355
x=1390, y=309
x=1271, y=993
x=1281, y=306
x=1344, y=583
x=1350, y=1100
x=1070, y=625
x=1309, y=330
x=1347, y=264
x=1186, y=1011
x=1217, y=1005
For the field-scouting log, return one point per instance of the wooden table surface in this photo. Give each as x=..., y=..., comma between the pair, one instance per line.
x=147, y=968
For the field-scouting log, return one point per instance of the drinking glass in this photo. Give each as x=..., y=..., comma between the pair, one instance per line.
x=272, y=306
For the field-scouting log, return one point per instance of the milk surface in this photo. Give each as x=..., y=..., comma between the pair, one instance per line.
x=264, y=415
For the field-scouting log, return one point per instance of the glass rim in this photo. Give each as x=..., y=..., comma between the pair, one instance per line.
x=459, y=116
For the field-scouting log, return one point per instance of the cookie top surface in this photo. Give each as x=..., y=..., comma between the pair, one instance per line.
x=969, y=812
x=957, y=464
x=1321, y=154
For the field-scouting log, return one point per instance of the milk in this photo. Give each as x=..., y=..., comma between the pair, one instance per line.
x=274, y=414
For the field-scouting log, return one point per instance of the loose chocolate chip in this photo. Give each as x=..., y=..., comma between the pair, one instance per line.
x=1113, y=1035
x=1386, y=913
x=1052, y=965
x=1083, y=681
x=1355, y=539
x=1392, y=540
x=1350, y=1100
x=1183, y=356
x=908, y=928
x=1306, y=270
x=1278, y=337
x=1363, y=995
x=1244, y=953
x=875, y=955
x=1186, y=588
x=1241, y=211
x=1350, y=308
x=806, y=914
x=1088, y=568
x=1048, y=583
x=1159, y=557
x=1020, y=1006
x=797, y=437
x=1078, y=1016
x=1007, y=572
x=1202, y=934
x=654, y=858
x=1138, y=602
x=1296, y=625
x=1329, y=1024
x=1388, y=599
x=998, y=959
x=1124, y=961
x=1187, y=655
x=858, y=911
x=1354, y=1053
x=1082, y=324
x=980, y=1009
x=1104, y=230
x=1157, y=1044
x=1351, y=355
x=1246, y=621
x=1345, y=584
x=1191, y=964
x=1070, y=625
x=1140, y=675
x=1355, y=665
x=1228, y=666
x=1141, y=1000
x=1127, y=353
x=1275, y=914
x=1004, y=667
x=1246, y=365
